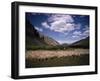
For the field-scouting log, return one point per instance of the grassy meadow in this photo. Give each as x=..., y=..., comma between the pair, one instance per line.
x=54, y=57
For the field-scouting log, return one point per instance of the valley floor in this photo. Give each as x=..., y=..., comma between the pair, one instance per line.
x=52, y=58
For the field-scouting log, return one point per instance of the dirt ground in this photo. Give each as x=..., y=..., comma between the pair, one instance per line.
x=55, y=53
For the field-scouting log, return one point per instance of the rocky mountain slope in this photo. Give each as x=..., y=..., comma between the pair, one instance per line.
x=34, y=38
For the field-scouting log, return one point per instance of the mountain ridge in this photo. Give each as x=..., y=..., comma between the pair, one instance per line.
x=81, y=43
x=34, y=38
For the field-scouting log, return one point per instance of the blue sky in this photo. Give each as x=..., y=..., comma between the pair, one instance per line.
x=64, y=28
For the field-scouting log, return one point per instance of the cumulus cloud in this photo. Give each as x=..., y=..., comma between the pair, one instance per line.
x=80, y=34
x=77, y=33
x=38, y=29
x=86, y=31
x=60, y=23
x=61, y=26
x=67, y=18
x=45, y=24
x=75, y=36
x=64, y=24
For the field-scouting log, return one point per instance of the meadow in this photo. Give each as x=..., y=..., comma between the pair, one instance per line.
x=54, y=58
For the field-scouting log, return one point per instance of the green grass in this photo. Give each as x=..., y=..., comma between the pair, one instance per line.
x=45, y=48
x=73, y=60
x=29, y=47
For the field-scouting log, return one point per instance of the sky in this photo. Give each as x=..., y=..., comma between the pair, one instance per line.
x=64, y=28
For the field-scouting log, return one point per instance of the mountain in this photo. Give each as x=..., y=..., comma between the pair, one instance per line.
x=65, y=45
x=35, y=38
x=81, y=43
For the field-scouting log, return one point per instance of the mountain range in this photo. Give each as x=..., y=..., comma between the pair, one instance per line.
x=35, y=38
x=81, y=43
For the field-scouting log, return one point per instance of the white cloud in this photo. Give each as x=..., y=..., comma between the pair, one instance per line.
x=67, y=18
x=77, y=33
x=38, y=29
x=75, y=36
x=66, y=33
x=45, y=24
x=59, y=23
x=86, y=31
x=61, y=26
